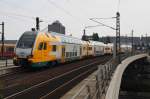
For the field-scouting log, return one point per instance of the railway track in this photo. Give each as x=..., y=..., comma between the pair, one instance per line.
x=7, y=68
x=10, y=70
x=55, y=86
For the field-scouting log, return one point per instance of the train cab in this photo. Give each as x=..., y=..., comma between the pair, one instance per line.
x=24, y=47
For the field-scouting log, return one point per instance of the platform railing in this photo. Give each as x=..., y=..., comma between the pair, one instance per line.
x=6, y=62
x=100, y=82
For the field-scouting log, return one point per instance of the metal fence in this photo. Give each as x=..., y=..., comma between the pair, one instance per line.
x=6, y=62
x=99, y=83
x=96, y=87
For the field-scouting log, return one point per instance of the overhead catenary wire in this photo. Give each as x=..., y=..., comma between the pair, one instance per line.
x=60, y=8
x=95, y=19
x=17, y=15
x=92, y=26
x=12, y=4
x=65, y=11
x=13, y=14
x=20, y=17
x=102, y=24
x=81, y=9
x=105, y=18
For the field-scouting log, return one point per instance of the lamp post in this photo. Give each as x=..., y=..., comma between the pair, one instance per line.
x=118, y=36
x=132, y=41
x=2, y=40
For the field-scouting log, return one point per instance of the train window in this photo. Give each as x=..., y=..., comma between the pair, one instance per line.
x=44, y=46
x=70, y=54
x=90, y=48
x=10, y=49
x=27, y=40
x=80, y=50
x=107, y=48
x=67, y=54
x=63, y=51
x=54, y=48
x=75, y=54
x=84, y=48
x=40, y=46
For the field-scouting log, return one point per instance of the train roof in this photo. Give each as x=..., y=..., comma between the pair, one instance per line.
x=126, y=45
x=97, y=43
x=110, y=44
x=67, y=38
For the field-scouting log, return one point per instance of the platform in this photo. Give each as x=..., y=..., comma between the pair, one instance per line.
x=3, y=63
x=4, y=69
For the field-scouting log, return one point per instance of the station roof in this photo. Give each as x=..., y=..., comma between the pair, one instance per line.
x=9, y=41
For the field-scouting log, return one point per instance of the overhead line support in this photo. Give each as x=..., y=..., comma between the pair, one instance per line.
x=2, y=40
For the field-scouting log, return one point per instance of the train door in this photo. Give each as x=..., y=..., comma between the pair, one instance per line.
x=94, y=52
x=80, y=52
x=41, y=54
x=44, y=52
x=63, y=54
x=87, y=49
x=38, y=53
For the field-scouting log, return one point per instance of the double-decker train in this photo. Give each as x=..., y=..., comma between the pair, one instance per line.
x=8, y=50
x=41, y=49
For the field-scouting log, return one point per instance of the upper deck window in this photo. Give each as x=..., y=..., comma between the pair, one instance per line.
x=54, y=48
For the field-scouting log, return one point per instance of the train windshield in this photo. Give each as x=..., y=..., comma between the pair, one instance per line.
x=27, y=40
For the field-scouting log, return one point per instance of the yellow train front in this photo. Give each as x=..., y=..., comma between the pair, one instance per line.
x=37, y=49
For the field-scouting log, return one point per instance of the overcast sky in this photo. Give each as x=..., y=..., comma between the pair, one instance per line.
x=19, y=15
